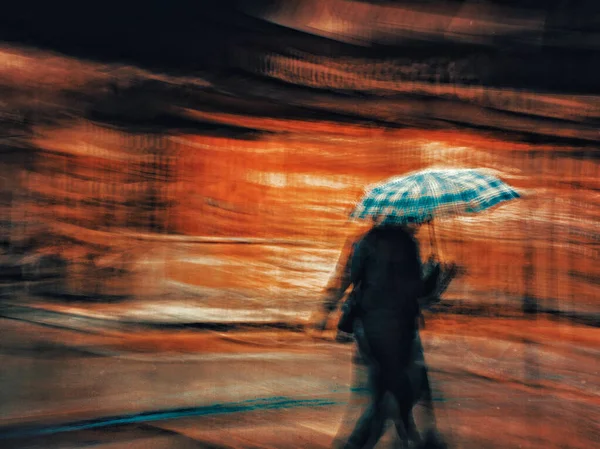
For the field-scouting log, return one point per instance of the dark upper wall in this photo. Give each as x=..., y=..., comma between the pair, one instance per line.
x=189, y=36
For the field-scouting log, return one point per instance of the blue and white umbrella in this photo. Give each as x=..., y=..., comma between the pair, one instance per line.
x=421, y=196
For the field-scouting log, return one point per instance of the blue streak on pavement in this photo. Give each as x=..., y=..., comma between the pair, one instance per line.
x=271, y=403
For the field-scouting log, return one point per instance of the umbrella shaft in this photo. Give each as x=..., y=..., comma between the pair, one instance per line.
x=435, y=244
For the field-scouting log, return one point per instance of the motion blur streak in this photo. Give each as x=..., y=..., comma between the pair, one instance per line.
x=175, y=184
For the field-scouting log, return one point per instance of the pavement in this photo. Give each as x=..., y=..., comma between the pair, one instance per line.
x=72, y=380
x=160, y=312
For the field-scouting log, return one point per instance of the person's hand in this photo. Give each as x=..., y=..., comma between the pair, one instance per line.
x=317, y=324
x=451, y=269
x=343, y=337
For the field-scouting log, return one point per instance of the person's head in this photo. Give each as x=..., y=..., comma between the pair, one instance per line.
x=377, y=219
x=411, y=228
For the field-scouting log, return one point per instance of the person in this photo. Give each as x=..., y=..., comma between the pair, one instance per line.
x=386, y=263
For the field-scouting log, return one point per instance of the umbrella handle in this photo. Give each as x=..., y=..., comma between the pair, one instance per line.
x=434, y=244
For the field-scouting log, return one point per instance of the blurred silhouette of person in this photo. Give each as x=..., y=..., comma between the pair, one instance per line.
x=386, y=264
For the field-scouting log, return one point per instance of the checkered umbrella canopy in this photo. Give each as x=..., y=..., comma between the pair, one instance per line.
x=423, y=195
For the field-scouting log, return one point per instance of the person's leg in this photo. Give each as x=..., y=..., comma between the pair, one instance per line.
x=406, y=428
x=407, y=385
x=402, y=390
x=369, y=426
x=359, y=393
x=432, y=438
x=427, y=401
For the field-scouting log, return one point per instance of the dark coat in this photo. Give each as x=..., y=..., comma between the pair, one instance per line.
x=386, y=267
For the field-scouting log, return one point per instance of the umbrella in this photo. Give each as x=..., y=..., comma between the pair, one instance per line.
x=420, y=196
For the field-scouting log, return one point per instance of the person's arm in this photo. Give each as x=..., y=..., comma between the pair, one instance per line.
x=337, y=285
x=430, y=282
x=340, y=281
x=357, y=263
